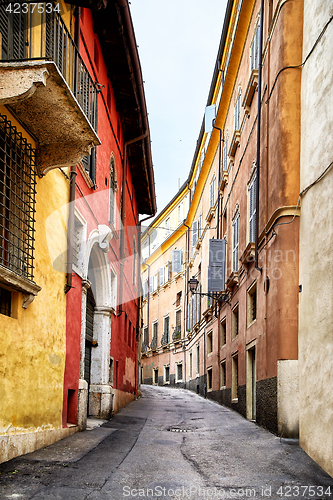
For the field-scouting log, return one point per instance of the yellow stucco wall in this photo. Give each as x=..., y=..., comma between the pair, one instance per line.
x=33, y=340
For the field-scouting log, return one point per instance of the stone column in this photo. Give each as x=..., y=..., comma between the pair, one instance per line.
x=83, y=385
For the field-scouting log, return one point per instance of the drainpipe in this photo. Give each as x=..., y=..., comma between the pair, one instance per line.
x=70, y=229
x=123, y=216
x=256, y=258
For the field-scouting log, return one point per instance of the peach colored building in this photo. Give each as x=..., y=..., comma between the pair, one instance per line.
x=237, y=342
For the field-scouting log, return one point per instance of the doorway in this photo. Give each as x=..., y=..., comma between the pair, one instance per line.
x=90, y=310
x=251, y=384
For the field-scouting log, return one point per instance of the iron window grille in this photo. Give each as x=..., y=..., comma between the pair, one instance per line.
x=21, y=42
x=17, y=201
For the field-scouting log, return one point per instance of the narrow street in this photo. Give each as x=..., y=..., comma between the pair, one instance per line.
x=168, y=444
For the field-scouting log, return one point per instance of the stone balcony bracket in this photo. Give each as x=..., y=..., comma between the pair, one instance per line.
x=40, y=98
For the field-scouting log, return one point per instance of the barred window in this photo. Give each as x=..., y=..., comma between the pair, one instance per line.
x=17, y=200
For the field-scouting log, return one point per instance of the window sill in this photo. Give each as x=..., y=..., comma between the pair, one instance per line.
x=232, y=280
x=234, y=144
x=247, y=256
x=234, y=400
x=13, y=281
x=210, y=214
x=252, y=323
x=250, y=90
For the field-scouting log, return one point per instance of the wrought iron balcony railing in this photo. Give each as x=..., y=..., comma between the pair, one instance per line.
x=48, y=40
x=165, y=338
x=177, y=333
x=153, y=344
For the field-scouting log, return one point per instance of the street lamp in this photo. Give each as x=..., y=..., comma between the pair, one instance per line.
x=193, y=284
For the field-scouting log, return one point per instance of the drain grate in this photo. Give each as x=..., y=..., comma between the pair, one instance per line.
x=178, y=429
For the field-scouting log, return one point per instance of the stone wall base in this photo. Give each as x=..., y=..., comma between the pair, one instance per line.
x=100, y=401
x=121, y=399
x=14, y=445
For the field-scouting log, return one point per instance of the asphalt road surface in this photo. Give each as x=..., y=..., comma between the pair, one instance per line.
x=169, y=444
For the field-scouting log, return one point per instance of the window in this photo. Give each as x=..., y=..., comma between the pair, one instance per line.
x=129, y=333
x=194, y=236
x=111, y=365
x=113, y=288
x=210, y=342
x=237, y=111
x=177, y=261
x=225, y=154
x=145, y=336
x=179, y=372
x=191, y=365
x=179, y=299
x=145, y=288
x=209, y=378
x=151, y=284
x=254, y=63
x=252, y=191
x=155, y=376
x=78, y=242
x=178, y=323
x=167, y=227
x=167, y=374
x=17, y=201
x=235, y=321
x=212, y=193
x=180, y=213
x=252, y=304
x=5, y=302
x=166, y=332
x=89, y=164
x=155, y=329
x=223, y=374
x=223, y=331
x=156, y=277
x=235, y=243
x=113, y=187
x=234, y=385
x=161, y=276
x=198, y=359
x=134, y=273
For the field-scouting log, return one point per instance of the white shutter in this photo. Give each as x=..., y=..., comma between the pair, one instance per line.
x=161, y=276
x=252, y=210
x=212, y=192
x=151, y=284
x=235, y=244
x=225, y=155
x=177, y=261
x=194, y=233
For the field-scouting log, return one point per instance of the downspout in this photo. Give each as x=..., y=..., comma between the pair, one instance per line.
x=70, y=229
x=256, y=258
x=123, y=215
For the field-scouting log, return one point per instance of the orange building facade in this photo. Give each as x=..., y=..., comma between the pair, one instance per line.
x=237, y=344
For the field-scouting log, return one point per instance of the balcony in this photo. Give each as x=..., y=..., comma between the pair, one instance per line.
x=153, y=344
x=45, y=83
x=165, y=340
x=177, y=333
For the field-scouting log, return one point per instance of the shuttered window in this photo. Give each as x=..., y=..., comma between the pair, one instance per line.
x=112, y=192
x=212, y=193
x=252, y=209
x=161, y=276
x=255, y=49
x=177, y=261
x=237, y=112
x=216, y=269
x=235, y=243
x=225, y=155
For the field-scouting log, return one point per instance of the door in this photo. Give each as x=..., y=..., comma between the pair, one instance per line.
x=251, y=384
x=90, y=309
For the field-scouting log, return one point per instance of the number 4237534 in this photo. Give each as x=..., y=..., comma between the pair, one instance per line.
x=26, y=8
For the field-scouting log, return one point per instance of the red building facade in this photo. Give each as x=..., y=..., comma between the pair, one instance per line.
x=109, y=189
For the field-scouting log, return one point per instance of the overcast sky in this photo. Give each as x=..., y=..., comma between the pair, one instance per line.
x=178, y=42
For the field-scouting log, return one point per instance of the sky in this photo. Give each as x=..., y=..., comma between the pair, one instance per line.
x=178, y=43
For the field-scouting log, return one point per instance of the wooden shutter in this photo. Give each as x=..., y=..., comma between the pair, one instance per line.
x=216, y=269
x=177, y=261
x=235, y=244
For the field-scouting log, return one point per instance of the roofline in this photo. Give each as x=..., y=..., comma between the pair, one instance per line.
x=128, y=25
